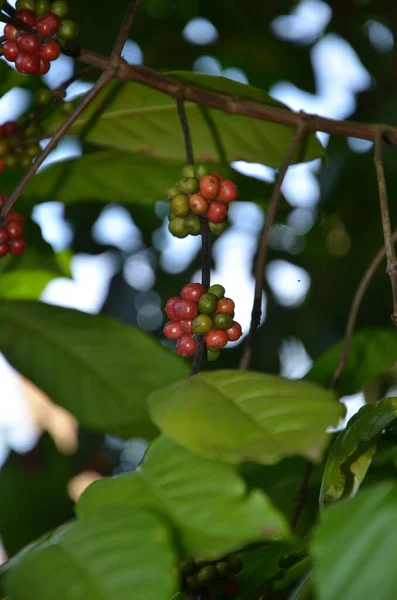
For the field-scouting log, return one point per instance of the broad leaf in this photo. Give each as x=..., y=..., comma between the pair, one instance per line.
x=25, y=285
x=98, y=369
x=112, y=555
x=372, y=352
x=206, y=501
x=132, y=117
x=237, y=416
x=351, y=454
x=260, y=566
x=354, y=547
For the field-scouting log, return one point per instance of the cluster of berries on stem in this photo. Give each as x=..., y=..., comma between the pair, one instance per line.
x=36, y=34
x=17, y=145
x=199, y=194
x=210, y=580
x=198, y=311
x=11, y=233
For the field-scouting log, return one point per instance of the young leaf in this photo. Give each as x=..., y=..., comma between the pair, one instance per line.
x=98, y=369
x=354, y=547
x=351, y=454
x=25, y=285
x=206, y=501
x=237, y=416
x=112, y=555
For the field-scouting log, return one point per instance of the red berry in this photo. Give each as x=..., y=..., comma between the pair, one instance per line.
x=17, y=247
x=173, y=330
x=1, y=131
x=27, y=64
x=225, y=305
x=3, y=199
x=3, y=235
x=216, y=338
x=186, y=345
x=198, y=204
x=15, y=229
x=26, y=16
x=28, y=42
x=48, y=25
x=235, y=332
x=9, y=128
x=169, y=308
x=4, y=250
x=14, y=216
x=192, y=291
x=10, y=51
x=44, y=67
x=217, y=212
x=50, y=51
x=218, y=176
x=209, y=187
x=231, y=590
x=10, y=32
x=227, y=192
x=2, y=165
x=187, y=326
x=185, y=309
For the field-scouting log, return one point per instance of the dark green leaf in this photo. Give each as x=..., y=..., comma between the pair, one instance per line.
x=259, y=566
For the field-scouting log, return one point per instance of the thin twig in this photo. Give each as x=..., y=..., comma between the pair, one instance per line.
x=301, y=496
x=264, y=246
x=125, y=29
x=8, y=8
x=391, y=267
x=102, y=81
x=180, y=103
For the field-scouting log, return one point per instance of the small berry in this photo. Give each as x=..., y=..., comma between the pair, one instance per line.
x=9, y=128
x=27, y=64
x=171, y=216
x=10, y=33
x=192, y=291
x=213, y=355
x=48, y=25
x=10, y=51
x=209, y=187
x=25, y=162
x=208, y=303
x=50, y=51
x=192, y=224
x=231, y=590
x=216, y=338
x=42, y=7
x=3, y=148
x=207, y=575
x=188, y=185
x=66, y=108
x=44, y=67
x=177, y=227
x=198, y=204
x=189, y=171
x=4, y=250
x=33, y=150
x=180, y=205
x=201, y=324
x=185, y=309
x=60, y=8
x=227, y=192
x=217, y=290
x=15, y=229
x=172, y=192
x=3, y=199
x=235, y=564
x=17, y=247
x=68, y=30
x=223, y=320
x=234, y=332
x=192, y=582
x=26, y=16
x=28, y=42
x=11, y=161
x=186, y=567
x=217, y=212
x=26, y=4
x=4, y=237
x=169, y=307
x=186, y=346
x=200, y=171
x=225, y=305
x=222, y=567
x=173, y=330
x=219, y=177
x=217, y=228
x=187, y=326
x=14, y=216
x=44, y=96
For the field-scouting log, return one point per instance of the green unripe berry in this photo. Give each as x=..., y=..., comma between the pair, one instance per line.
x=193, y=583
x=208, y=303
x=192, y=224
x=26, y=5
x=200, y=563
x=207, y=575
x=33, y=150
x=222, y=567
x=171, y=216
x=11, y=161
x=177, y=227
x=201, y=171
x=31, y=131
x=42, y=7
x=180, y=205
x=217, y=290
x=235, y=564
x=68, y=30
x=188, y=185
x=66, y=108
x=213, y=354
x=186, y=567
x=172, y=192
x=60, y=8
x=189, y=171
x=201, y=324
x=25, y=162
x=217, y=228
x=223, y=320
x=44, y=96
x=3, y=148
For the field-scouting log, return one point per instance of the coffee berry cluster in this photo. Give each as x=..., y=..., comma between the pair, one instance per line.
x=17, y=148
x=11, y=233
x=199, y=194
x=37, y=42
x=210, y=580
x=198, y=311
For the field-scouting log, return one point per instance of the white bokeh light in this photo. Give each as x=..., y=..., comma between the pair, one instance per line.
x=200, y=31
x=305, y=24
x=289, y=283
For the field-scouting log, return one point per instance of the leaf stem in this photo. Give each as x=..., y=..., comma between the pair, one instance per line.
x=125, y=29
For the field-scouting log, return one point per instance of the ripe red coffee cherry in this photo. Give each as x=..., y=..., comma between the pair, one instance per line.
x=14, y=216
x=218, y=176
x=48, y=25
x=15, y=229
x=10, y=51
x=227, y=192
x=28, y=17
x=169, y=307
x=187, y=326
x=235, y=332
x=173, y=330
x=4, y=250
x=217, y=212
x=225, y=305
x=3, y=199
x=10, y=32
x=216, y=338
x=27, y=64
x=4, y=237
x=28, y=42
x=50, y=51
x=198, y=204
x=186, y=345
x=44, y=67
x=9, y=128
x=192, y=291
x=185, y=309
x=209, y=187
x=17, y=247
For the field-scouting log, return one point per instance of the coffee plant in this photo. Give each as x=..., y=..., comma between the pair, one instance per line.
x=250, y=487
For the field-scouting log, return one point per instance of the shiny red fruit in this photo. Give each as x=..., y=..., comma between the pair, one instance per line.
x=14, y=216
x=216, y=338
x=27, y=64
x=28, y=42
x=50, y=51
x=231, y=590
x=10, y=51
x=192, y=291
x=4, y=237
x=169, y=308
x=217, y=212
x=4, y=250
x=187, y=326
x=44, y=67
x=17, y=247
x=9, y=128
x=28, y=17
x=48, y=25
x=217, y=175
x=10, y=32
x=185, y=309
x=186, y=345
x=173, y=330
x=209, y=187
x=228, y=191
x=198, y=204
x=235, y=332
x=225, y=305
x=15, y=229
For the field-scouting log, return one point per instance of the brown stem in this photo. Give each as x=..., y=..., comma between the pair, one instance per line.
x=102, y=81
x=125, y=29
x=391, y=267
x=185, y=130
x=264, y=245
x=8, y=8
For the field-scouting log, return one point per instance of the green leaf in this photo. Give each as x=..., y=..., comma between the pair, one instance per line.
x=112, y=555
x=237, y=416
x=98, y=369
x=354, y=547
x=372, y=353
x=206, y=501
x=260, y=565
x=351, y=454
x=25, y=285
x=135, y=118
